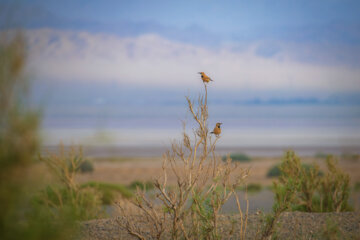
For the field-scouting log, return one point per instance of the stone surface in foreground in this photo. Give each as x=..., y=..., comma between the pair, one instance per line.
x=291, y=225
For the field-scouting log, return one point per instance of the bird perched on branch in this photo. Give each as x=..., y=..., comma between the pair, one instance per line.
x=217, y=129
x=205, y=78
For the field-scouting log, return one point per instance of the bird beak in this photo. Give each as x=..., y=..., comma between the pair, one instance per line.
x=199, y=72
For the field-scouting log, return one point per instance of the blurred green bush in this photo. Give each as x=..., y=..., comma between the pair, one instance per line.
x=304, y=188
x=20, y=217
x=148, y=185
x=87, y=166
x=276, y=172
x=109, y=191
x=238, y=157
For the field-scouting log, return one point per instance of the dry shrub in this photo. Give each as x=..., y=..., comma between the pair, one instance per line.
x=190, y=209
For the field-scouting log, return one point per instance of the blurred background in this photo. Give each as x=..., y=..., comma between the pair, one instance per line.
x=112, y=77
x=114, y=74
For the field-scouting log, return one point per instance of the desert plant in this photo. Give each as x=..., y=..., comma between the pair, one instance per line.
x=204, y=183
x=84, y=203
x=315, y=191
x=334, y=189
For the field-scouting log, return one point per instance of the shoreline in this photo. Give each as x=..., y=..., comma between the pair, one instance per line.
x=252, y=151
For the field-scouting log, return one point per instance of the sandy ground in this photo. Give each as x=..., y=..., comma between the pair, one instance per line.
x=128, y=169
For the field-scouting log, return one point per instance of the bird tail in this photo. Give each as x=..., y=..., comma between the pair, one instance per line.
x=211, y=132
x=211, y=80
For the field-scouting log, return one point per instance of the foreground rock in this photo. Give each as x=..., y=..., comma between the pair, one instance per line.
x=291, y=225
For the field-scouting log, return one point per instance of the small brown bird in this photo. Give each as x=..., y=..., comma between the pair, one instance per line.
x=205, y=78
x=217, y=129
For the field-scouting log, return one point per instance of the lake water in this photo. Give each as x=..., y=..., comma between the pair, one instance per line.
x=317, y=127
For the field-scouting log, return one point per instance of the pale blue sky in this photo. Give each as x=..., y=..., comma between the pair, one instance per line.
x=227, y=20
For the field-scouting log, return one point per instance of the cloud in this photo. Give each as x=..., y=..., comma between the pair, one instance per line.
x=152, y=60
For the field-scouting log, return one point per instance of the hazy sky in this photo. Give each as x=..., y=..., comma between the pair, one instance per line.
x=280, y=67
x=246, y=45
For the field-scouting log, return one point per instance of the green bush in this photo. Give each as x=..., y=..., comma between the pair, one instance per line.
x=276, y=172
x=86, y=166
x=238, y=157
x=305, y=188
x=142, y=185
x=109, y=191
x=302, y=188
